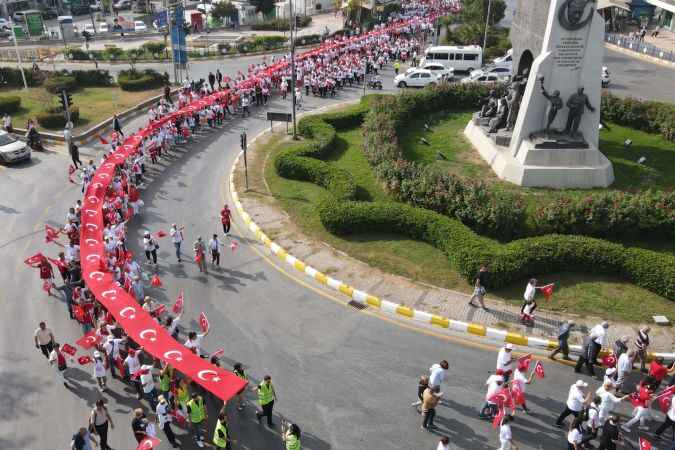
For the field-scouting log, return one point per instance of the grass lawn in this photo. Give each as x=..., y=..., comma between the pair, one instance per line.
x=575, y=293
x=96, y=103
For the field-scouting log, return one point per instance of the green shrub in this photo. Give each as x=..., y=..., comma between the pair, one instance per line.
x=92, y=78
x=10, y=104
x=650, y=116
x=466, y=250
x=58, y=82
x=113, y=53
x=55, y=119
x=133, y=80
x=308, y=39
x=154, y=48
x=76, y=54
x=11, y=77
x=281, y=24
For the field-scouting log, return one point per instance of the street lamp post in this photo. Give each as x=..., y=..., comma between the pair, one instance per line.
x=293, y=76
x=18, y=56
x=487, y=25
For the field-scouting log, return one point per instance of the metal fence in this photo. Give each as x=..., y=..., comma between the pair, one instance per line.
x=638, y=46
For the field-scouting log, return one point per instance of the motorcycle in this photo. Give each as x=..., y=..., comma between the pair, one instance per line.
x=34, y=140
x=375, y=83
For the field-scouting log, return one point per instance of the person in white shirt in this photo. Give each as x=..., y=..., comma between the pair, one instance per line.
x=214, y=247
x=505, y=362
x=575, y=401
x=598, y=335
x=624, y=367
x=112, y=351
x=575, y=435
x=505, y=435
x=194, y=341
x=132, y=365
x=444, y=443
x=494, y=384
x=608, y=402
x=171, y=324
x=437, y=373
x=147, y=382
x=150, y=247
x=592, y=425
x=100, y=371
x=163, y=410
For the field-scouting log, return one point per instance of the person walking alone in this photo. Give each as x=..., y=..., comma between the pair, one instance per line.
x=75, y=155
x=479, y=287
x=57, y=357
x=641, y=346
x=44, y=339
x=225, y=218
x=267, y=395
x=100, y=420
x=117, y=125
x=177, y=238
x=150, y=247
x=214, y=247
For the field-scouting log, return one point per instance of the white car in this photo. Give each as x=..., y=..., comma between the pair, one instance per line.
x=482, y=78
x=505, y=60
x=103, y=27
x=139, y=25
x=89, y=28
x=416, y=78
x=12, y=150
x=439, y=70
x=503, y=73
x=4, y=24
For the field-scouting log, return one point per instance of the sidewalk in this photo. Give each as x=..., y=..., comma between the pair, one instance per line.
x=259, y=203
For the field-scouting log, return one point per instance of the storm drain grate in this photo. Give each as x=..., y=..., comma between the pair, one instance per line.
x=357, y=305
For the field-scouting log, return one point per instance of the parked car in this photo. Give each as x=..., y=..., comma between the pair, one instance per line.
x=103, y=27
x=89, y=28
x=49, y=13
x=503, y=73
x=122, y=4
x=4, y=24
x=505, y=60
x=416, y=78
x=96, y=7
x=19, y=16
x=12, y=150
x=440, y=70
x=139, y=26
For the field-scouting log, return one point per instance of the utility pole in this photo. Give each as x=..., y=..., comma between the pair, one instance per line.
x=18, y=56
x=293, y=75
x=487, y=25
x=244, y=145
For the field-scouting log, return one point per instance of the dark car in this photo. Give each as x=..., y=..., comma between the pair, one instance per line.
x=49, y=13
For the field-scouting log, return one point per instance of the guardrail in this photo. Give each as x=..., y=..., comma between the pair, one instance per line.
x=639, y=46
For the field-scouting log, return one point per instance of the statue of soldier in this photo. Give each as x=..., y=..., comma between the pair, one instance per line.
x=489, y=109
x=555, y=106
x=575, y=11
x=517, y=89
x=577, y=103
x=499, y=120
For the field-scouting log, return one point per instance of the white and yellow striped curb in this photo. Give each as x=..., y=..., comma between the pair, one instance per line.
x=391, y=308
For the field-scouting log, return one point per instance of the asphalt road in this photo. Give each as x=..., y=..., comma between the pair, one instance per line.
x=347, y=377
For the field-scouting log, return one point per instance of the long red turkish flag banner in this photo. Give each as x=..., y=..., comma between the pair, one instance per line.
x=137, y=323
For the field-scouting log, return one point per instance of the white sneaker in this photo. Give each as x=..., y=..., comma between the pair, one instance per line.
x=200, y=444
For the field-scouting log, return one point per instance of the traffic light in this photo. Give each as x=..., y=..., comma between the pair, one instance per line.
x=297, y=21
x=66, y=100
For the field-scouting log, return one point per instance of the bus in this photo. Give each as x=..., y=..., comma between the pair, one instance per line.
x=459, y=58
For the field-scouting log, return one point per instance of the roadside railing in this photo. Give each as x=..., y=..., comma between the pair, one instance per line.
x=639, y=46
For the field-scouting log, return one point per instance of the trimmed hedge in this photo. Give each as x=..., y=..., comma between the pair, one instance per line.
x=12, y=77
x=92, y=78
x=280, y=24
x=55, y=119
x=133, y=80
x=10, y=104
x=508, y=262
x=649, y=116
x=57, y=82
x=465, y=249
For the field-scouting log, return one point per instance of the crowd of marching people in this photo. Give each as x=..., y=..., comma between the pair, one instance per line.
x=172, y=399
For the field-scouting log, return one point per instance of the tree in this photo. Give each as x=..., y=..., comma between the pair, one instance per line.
x=264, y=6
x=134, y=54
x=154, y=48
x=224, y=10
x=475, y=11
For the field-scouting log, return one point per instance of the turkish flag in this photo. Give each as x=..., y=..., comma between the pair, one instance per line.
x=645, y=444
x=178, y=306
x=51, y=234
x=517, y=393
x=547, y=291
x=47, y=286
x=148, y=443
x=140, y=372
x=84, y=360
x=71, y=171
x=34, y=260
x=102, y=139
x=539, y=369
x=525, y=361
x=233, y=246
x=664, y=403
x=58, y=263
x=160, y=310
x=198, y=258
x=89, y=340
x=203, y=322
x=69, y=349
x=218, y=353
x=155, y=281
x=497, y=421
x=609, y=360
x=160, y=234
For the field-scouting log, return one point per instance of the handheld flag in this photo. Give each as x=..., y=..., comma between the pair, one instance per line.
x=160, y=234
x=155, y=281
x=89, y=340
x=178, y=306
x=539, y=369
x=71, y=171
x=218, y=353
x=159, y=310
x=102, y=140
x=664, y=403
x=69, y=349
x=58, y=263
x=609, y=360
x=524, y=361
x=148, y=443
x=203, y=322
x=547, y=291
x=84, y=360
x=51, y=234
x=645, y=444
x=497, y=421
x=233, y=246
x=33, y=261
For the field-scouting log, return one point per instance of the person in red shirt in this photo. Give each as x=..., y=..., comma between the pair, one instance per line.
x=658, y=371
x=225, y=219
x=641, y=401
x=47, y=275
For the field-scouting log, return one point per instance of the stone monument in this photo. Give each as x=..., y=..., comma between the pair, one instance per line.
x=544, y=131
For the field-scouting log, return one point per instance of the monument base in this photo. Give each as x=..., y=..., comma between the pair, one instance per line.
x=580, y=168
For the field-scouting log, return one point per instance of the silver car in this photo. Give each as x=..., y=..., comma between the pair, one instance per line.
x=12, y=150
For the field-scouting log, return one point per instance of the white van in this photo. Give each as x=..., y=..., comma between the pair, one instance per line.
x=459, y=58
